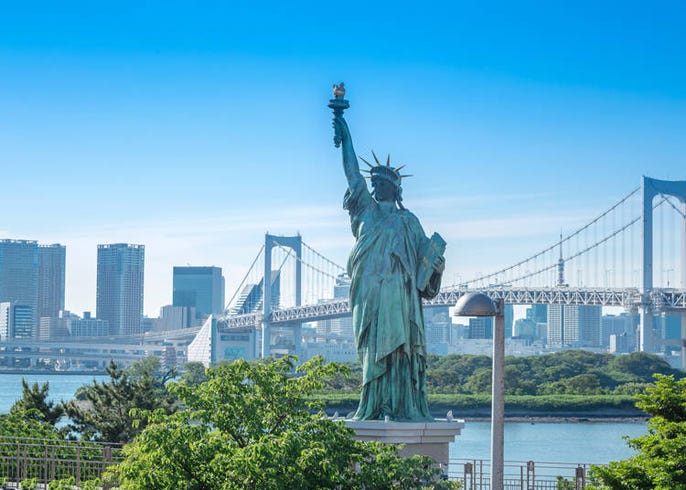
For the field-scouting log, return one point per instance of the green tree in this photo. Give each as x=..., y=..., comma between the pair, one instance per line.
x=102, y=410
x=251, y=426
x=582, y=384
x=641, y=366
x=15, y=426
x=193, y=373
x=660, y=462
x=34, y=404
x=480, y=381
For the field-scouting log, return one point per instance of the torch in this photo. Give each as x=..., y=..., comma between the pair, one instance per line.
x=338, y=104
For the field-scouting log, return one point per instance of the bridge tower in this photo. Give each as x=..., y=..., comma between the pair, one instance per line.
x=294, y=243
x=651, y=188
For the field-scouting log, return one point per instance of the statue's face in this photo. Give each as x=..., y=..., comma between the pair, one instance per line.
x=383, y=190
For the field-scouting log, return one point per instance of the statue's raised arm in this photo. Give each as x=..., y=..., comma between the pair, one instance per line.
x=342, y=138
x=351, y=166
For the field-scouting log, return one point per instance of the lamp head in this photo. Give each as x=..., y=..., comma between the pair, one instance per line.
x=475, y=304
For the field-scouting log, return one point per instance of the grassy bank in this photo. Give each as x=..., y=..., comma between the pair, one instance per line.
x=591, y=406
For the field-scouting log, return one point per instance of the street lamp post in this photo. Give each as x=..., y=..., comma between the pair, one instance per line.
x=478, y=304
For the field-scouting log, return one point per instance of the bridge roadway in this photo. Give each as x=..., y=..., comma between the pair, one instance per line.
x=81, y=349
x=627, y=298
x=139, y=346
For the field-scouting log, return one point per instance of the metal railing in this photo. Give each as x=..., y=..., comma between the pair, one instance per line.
x=520, y=475
x=46, y=460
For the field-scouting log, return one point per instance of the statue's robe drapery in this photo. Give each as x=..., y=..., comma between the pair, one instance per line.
x=386, y=306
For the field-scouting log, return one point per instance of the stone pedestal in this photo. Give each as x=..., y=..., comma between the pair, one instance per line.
x=424, y=438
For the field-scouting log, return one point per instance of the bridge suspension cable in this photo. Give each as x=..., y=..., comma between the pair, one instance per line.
x=325, y=259
x=245, y=278
x=310, y=266
x=552, y=247
x=669, y=201
x=578, y=254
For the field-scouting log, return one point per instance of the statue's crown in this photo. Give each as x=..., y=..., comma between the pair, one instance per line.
x=385, y=172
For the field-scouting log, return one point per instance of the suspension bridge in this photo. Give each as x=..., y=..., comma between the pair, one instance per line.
x=632, y=255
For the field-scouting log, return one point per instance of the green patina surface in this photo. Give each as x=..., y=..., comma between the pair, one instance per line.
x=385, y=294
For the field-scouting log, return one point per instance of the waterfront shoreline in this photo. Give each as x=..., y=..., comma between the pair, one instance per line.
x=557, y=419
x=38, y=372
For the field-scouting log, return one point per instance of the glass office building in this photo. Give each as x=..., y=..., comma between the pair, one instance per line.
x=201, y=288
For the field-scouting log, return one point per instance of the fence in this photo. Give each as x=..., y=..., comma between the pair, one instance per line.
x=46, y=460
x=475, y=475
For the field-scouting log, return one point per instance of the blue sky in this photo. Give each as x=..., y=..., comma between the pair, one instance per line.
x=196, y=128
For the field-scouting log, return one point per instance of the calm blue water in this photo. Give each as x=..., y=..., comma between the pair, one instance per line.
x=563, y=442
x=62, y=386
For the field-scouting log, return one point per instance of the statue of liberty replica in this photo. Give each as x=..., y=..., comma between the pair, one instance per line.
x=392, y=266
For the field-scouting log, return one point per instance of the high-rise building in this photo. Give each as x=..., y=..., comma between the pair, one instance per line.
x=176, y=317
x=437, y=329
x=618, y=325
x=508, y=320
x=201, y=288
x=119, y=297
x=574, y=325
x=338, y=327
x=5, y=320
x=16, y=321
x=481, y=327
x=51, y=264
x=537, y=313
x=87, y=326
x=19, y=276
x=52, y=328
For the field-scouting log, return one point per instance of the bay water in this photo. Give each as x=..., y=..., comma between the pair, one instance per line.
x=563, y=442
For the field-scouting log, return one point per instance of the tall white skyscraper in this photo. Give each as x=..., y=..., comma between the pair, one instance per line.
x=119, y=298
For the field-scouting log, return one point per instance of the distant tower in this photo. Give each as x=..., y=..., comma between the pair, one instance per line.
x=51, y=264
x=119, y=298
x=561, y=267
x=19, y=278
x=199, y=287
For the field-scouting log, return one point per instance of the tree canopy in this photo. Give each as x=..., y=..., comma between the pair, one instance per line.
x=34, y=404
x=102, y=410
x=660, y=463
x=250, y=425
x=572, y=372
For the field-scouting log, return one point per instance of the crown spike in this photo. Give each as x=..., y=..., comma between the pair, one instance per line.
x=388, y=160
x=408, y=175
x=366, y=170
x=398, y=169
x=375, y=159
x=368, y=164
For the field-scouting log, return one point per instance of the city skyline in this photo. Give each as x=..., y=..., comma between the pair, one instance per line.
x=515, y=120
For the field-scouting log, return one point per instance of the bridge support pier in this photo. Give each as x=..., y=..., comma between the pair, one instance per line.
x=266, y=340
x=645, y=341
x=298, y=339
